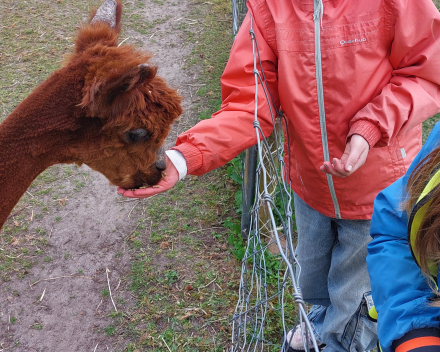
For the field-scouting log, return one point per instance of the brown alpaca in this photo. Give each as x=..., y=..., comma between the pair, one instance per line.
x=105, y=108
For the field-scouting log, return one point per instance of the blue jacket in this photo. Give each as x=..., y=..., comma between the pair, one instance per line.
x=400, y=291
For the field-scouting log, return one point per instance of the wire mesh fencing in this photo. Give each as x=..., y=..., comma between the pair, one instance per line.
x=269, y=299
x=239, y=11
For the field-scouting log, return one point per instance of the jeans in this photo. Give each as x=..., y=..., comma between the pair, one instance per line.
x=334, y=278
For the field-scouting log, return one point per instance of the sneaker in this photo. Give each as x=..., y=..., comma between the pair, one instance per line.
x=295, y=342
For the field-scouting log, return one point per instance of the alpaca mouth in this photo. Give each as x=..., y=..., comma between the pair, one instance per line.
x=142, y=180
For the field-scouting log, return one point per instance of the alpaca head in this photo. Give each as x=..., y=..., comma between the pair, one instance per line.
x=126, y=110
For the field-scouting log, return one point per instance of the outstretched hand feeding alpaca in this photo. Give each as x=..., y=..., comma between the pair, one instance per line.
x=105, y=108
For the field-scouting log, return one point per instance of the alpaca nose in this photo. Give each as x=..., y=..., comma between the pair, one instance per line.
x=161, y=161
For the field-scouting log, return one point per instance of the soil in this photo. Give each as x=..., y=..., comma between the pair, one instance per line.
x=64, y=298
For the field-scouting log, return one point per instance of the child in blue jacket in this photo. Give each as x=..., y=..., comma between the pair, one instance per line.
x=404, y=254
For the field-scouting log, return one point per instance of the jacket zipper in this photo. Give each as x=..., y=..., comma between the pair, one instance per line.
x=318, y=64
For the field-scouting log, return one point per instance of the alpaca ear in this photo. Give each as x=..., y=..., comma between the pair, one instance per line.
x=101, y=94
x=109, y=12
x=103, y=27
x=132, y=79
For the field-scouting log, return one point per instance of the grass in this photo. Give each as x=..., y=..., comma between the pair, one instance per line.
x=181, y=276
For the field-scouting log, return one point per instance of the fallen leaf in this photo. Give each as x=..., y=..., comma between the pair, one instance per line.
x=188, y=314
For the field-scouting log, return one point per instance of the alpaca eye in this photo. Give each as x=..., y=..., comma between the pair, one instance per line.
x=136, y=136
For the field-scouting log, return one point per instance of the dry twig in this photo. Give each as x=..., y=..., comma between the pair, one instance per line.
x=109, y=289
x=166, y=344
x=56, y=278
x=42, y=295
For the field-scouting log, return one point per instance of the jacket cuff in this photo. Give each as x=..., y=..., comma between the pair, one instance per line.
x=368, y=130
x=178, y=161
x=192, y=155
x=420, y=340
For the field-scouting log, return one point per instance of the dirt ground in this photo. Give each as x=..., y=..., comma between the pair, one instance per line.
x=59, y=304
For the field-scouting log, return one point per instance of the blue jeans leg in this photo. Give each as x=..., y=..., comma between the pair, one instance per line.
x=334, y=278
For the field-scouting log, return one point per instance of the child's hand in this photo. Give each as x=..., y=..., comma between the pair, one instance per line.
x=355, y=155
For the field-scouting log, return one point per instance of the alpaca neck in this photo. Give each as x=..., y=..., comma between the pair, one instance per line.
x=35, y=136
x=16, y=175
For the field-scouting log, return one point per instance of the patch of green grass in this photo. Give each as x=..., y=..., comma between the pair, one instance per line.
x=428, y=125
x=110, y=330
x=42, y=192
x=171, y=276
x=213, y=54
x=37, y=326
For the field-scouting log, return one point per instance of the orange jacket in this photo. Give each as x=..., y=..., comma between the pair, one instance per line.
x=380, y=67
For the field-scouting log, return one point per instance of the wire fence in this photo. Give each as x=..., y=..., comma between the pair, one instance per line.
x=270, y=302
x=239, y=11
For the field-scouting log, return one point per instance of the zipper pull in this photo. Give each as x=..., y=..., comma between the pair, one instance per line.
x=319, y=11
